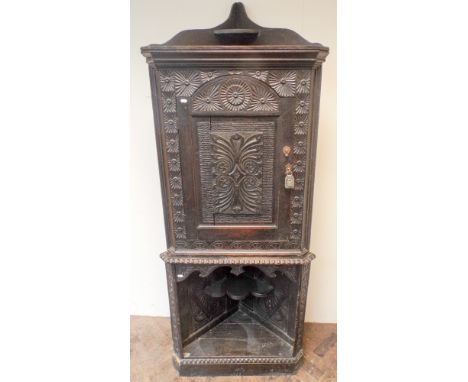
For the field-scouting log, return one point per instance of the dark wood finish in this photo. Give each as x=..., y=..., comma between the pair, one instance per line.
x=236, y=113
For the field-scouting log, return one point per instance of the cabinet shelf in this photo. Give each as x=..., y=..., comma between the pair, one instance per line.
x=239, y=287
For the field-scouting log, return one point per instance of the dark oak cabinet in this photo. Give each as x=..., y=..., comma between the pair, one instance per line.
x=236, y=111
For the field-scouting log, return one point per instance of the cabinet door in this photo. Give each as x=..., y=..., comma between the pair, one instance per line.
x=233, y=166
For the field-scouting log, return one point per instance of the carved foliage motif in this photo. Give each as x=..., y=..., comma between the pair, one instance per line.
x=237, y=163
x=236, y=94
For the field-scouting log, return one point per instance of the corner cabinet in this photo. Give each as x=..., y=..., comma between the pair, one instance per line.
x=236, y=112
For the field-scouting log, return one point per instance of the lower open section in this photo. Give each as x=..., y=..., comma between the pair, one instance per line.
x=239, y=335
x=237, y=319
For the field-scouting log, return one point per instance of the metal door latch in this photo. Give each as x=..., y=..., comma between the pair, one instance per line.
x=289, y=179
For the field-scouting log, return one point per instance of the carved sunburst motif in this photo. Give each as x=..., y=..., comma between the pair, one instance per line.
x=167, y=82
x=207, y=100
x=303, y=84
x=180, y=233
x=299, y=184
x=177, y=199
x=170, y=125
x=299, y=166
x=300, y=127
x=296, y=217
x=235, y=95
x=179, y=216
x=176, y=183
x=263, y=100
x=295, y=233
x=209, y=75
x=299, y=148
x=186, y=83
x=172, y=145
x=169, y=105
x=302, y=106
x=174, y=164
x=259, y=75
x=297, y=201
x=283, y=82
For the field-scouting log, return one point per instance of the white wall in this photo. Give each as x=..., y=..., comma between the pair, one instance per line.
x=156, y=22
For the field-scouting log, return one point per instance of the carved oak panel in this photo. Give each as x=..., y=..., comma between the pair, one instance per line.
x=236, y=170
x=237, y=162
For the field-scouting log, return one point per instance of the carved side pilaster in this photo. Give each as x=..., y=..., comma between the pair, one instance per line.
x=301, y=307
x=174, y=307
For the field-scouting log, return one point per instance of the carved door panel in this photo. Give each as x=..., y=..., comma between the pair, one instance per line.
x=231, y=133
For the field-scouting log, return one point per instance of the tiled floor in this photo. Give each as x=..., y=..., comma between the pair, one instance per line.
x=151, y=349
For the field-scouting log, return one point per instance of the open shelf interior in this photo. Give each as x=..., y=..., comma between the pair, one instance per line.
x=238, y=335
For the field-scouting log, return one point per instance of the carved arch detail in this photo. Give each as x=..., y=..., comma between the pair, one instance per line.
x=238, y=93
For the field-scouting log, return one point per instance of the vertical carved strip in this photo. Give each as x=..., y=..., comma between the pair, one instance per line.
x=305, y=269
x=174, y=307
x=155, y=79
x=300, y=151
x=312, y=141
x=180, y=83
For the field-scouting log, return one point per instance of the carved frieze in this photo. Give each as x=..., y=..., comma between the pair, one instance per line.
x=168, y=257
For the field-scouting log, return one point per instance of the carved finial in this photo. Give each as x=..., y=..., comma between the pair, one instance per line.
x=238, y=28
x=238, y=17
